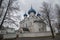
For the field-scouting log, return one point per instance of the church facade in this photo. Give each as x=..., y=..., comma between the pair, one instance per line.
x=33, y=23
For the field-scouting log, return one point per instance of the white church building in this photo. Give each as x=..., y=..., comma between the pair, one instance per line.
x=33, y=23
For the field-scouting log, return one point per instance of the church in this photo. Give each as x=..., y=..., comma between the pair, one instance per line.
x=33, y=23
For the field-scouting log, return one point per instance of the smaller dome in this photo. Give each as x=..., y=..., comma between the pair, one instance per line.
x=25, y=14
x=38, y=14
x=31, y=10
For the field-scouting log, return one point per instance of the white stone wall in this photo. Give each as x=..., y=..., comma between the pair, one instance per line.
x=33, y=26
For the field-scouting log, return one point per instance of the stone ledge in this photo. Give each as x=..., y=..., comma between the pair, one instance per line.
x=41, y=34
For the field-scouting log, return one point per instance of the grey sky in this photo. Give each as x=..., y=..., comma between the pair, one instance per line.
x=26, y=4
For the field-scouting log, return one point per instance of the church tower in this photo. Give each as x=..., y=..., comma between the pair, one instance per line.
x=25, y=15
x=31, y=12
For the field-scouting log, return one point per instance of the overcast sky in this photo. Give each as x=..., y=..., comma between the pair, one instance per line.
x=25, y=5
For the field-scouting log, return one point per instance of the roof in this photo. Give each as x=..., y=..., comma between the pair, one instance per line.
x=31, y=10
x=38, y=14
x=25, y=14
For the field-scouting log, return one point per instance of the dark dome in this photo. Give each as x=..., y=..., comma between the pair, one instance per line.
x=31, y=10
x=25, y=14
x=38, y=14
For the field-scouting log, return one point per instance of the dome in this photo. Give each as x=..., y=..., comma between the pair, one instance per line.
x=31, y=10
x=38, y=14
x=25, y=14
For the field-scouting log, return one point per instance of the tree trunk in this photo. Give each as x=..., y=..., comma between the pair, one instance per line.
x=1, y=2
x=4, y=16
x=50, y=25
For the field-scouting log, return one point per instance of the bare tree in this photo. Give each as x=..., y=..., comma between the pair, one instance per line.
x=4, y=16
x=9, y=8
x=13, y=9
x=47, y=9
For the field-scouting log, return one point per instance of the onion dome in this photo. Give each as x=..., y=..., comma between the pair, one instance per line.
x=38, y=14
x=31, y=10
x=25, y=15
